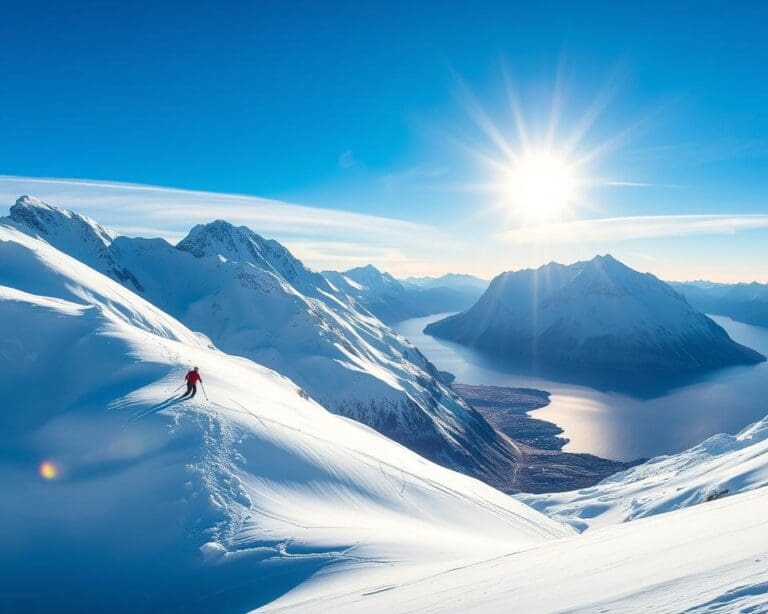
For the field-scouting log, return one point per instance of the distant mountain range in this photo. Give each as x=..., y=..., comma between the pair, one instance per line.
x=596, y=314
x=743, y=302
x=392, y=300
x=457, y=281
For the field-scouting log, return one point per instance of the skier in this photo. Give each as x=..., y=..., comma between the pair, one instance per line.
x=192, y=378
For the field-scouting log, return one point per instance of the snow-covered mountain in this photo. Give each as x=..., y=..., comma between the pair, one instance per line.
x=118, y=497
x=392, y=300
x=596, y=314
x=743, y=302
x=254, y=299
x=722, y=466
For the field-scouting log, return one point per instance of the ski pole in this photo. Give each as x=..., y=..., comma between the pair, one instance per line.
x=204, y=392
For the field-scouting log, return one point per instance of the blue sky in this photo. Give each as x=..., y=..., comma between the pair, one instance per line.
x=390, y=110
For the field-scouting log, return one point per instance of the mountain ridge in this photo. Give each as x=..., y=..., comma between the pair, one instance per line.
x=252, y=298
x=393, y=300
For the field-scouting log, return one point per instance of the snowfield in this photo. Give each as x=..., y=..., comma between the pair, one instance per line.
x=709, y=558
x=119, y=497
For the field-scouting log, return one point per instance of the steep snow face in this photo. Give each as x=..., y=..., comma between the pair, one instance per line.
x=32, y=266
x=253, y=299
x=77, y=235
x=241, y=244
x=724, y=465
x=599, y=313
x=202, y=505
x=392, y=300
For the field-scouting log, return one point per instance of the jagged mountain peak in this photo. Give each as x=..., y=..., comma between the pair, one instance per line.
x=217, y=238
x=32, y=214
x=27, y=200
x=606, y=273
x=241, y=244
x=369, y=275
x=73, y=233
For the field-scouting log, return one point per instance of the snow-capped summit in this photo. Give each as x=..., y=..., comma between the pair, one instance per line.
x=599, y=313
x=48, y=219
x=75, y=234
x=252, y=298
x=241, y=244
x=370, y=277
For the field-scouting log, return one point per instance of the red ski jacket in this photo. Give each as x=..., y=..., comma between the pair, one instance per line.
x=193, y=377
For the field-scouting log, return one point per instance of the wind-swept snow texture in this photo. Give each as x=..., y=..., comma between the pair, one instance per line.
x=698, y=542
x=708, y=558
x=254, y=299
x=597, y=314
x=118, y=497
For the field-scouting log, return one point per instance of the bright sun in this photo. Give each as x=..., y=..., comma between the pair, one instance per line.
x=540, y=186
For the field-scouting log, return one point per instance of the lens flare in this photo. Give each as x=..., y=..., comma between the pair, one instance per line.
x=48, y=470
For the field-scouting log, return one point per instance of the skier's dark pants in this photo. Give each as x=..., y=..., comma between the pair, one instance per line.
x=191, y=390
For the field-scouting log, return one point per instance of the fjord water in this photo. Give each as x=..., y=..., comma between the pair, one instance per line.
x=623, y=420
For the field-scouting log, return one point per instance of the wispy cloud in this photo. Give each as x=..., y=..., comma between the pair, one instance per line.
x=633, y=228
x=325, y=237
x=415, y=173
x=347, y=159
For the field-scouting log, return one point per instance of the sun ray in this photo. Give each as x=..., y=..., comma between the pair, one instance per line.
x=514, y=103
x=542, y=175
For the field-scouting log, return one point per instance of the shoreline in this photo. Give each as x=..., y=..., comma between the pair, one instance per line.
x=544, y=467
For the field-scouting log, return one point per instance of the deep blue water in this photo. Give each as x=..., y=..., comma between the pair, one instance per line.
x=606, y=418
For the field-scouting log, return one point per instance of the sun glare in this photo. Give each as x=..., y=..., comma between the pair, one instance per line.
x=540, y=186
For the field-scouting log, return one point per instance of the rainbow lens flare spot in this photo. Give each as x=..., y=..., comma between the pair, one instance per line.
x=48, y=470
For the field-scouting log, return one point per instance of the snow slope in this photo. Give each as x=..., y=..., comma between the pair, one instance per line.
x=709, y=558
x=596, y=314
x=721, y=466
x=254, y=299
x=697, y=542
x=206, y=505
x=259, y=498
